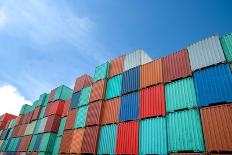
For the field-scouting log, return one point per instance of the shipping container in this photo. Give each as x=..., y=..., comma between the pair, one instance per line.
x=136, y=58
x=30, y=128
x=116, y=66
x=129, y=107
x=131, y=80
x=63, y=93
x=51, y=95
x=42, y=125
x=43, y=99
x=113, y=88
x=54, y=108
x=23, y=146
x=61, y=127
x=153, y=136
x=7, y=117
x=47, y=142
x=81, y=117
x=152, y=102
x=110, y=111
x=82, y=82
x=84, y=96
x=151, y=73
x=226, y=42
x=217, y=127
x=75, y=100
x=66, y=108
x=90, y=140
x=77, y=139
x=21, y=130
x=41, y=115
x=52, y=124
x=101, y=72
x=189, y=154
x=66, y=141
x=32, y=143
x=128, y=138
x=94, y=113
x=70, y=119
x=107, y=139
x=205, y=53
x=25, y=109
x=36, y=113
x=98, y=91
x=38, y=142
x=180, y=95
x=36, y=130
x=213, y=85
x=56, y=145
x=184, y=131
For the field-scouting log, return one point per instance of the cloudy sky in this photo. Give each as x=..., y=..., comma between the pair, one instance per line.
x=45, y=43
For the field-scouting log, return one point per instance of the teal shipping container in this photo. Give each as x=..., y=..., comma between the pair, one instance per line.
x=57, y=145
x=101, y=72
x=184, y=131
x=47, y=142
x=114, y=86
x=25, y=109
x=63, y=92
x=43, y=99
x=62, y=125
x=41, y=115
x=84, y=97
x=32, y=143
x=180, y=94
x=81, y=117
x=226, y=42
x=107, y=139
x=35, y=104
x=153, y=136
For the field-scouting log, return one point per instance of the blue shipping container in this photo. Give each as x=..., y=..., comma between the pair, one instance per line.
x=131, y=80
x=37, y=142
x=75, y=100
x=213, y=85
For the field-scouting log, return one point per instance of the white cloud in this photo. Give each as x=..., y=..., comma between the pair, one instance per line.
x=11, y=100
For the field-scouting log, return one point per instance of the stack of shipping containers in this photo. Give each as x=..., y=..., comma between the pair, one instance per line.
x=134, y=105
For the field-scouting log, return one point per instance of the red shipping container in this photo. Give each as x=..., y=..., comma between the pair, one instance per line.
x=70, y=119
x=24, y=144
x=82, y=82
x=90, y=140
x=94, y=114
x=66, y=141
x=24, y=119
x=176, y=66
x=36, y=113
x=2, y=125
x=128, y=138
x=116, y=66
x=7, y=117
x=53, y=124
x=98, y=91
x=6, y=126
x=15, y=131
x=52, y=94
x=54, y=108
x=19, y=120
x=66, y=108
x=21, y=131
x=29, y=117
x=152, y=101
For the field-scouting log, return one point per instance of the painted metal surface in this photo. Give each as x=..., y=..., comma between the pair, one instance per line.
x=116, y=66
x=52, y=124
x=151, y=73
x=107, y=139
x=36, y=130
x=128, y=138
x=129, y=107
x=176, y=66
x=184, y=131
x=213, y=85
x=54, y=108
x=113, y=88
x=131, y=80
x=66, y=141
x=23, y=146
x=70, y=119
x=42, y=125
x=180, y=94
x=98, y=91
x=61, y=127
x=38, y=142
x=226, y=42
x=43, y=99
x=82, y=82
x=136, y=58
x=152, y=101
x=75, y=100
x=66, y=108
x=153, y=136
x=41, y=115
x=217, y=127
x=32, y=143
x=94, y=114
x=30, y=128
x=47, y=142
x=63, y=93
x=36, y=113
x=81, y=117
x=101, y=72
x=84, y=96
x=56, y=145
x=77, y=139
x=205, y=53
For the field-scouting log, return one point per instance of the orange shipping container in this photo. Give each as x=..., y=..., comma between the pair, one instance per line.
x=94, y=113
x=70, y=119
x=116, y=66
x=66, y=141
x=82, y=82
x=24, y=144
x=77, y=139
x=151, y=73
x=98, y=91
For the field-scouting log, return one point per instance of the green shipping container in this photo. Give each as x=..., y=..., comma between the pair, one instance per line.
x=63, y=92
x=107, y=139
x=11, y=145
x=101, y=72
x=35, y=104
x=41, y=115
x=113, y=88
x=84, y=97
x=36, y=130
x=185, y=131
x=47, y=142
x=9, y=134
x=57, y=145
x=32, y=143
x=180, y=95
x=4, y=145
x=25, y=109
x=226, y=42
x=61, y=128
x=81, y=117
x=43, y=99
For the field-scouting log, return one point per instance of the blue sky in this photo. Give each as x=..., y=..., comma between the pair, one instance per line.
x=46, y=43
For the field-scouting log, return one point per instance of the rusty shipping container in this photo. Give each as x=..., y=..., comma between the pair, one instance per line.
x=151, y=73
x=81, y=82
x=70, y=119
x=77, y=139
x=176, y=66
x=66, y=141
x=94, y=114
x=217, y=127
x=98, y=91
x=116, y=66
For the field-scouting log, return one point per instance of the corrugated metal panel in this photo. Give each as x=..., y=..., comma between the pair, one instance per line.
x=47, y=142
x=70, y=119
x=152, y=101
x=153, y=136
x=84, y=97
x=32, y=143
x=226, y=42
x=42, y=125
x=90, y=140
x=101, y=72
x=94, y=114
x=129, y=107
x=52, y=124
x=205, y=53
x=51, y=95
x=131, y=80
x=41, y=115
x=180, y=95
x=66, y=108
x=213, y=85
x=189, y=154
x=63, y=93
x=116, y=66
x=21, y=130
x=66, y=141
x=81, y=82
x=36, y=113
x=113, y=88
x=43, y=99
x=217, y=127
x=107, y=139
x=23, y=146
x=54, y=108
x=75, y=100
x=110, y=112
x=77, y=139
x=185, y=131
x=128, y=138
x=81, y=117
x=98, y=91
x=38, y=142
x=30, y=128
x=36, y=130
x=176, y=66
x=61, y=128
x=56, y=146
x=151, y=73
x=136, y=58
